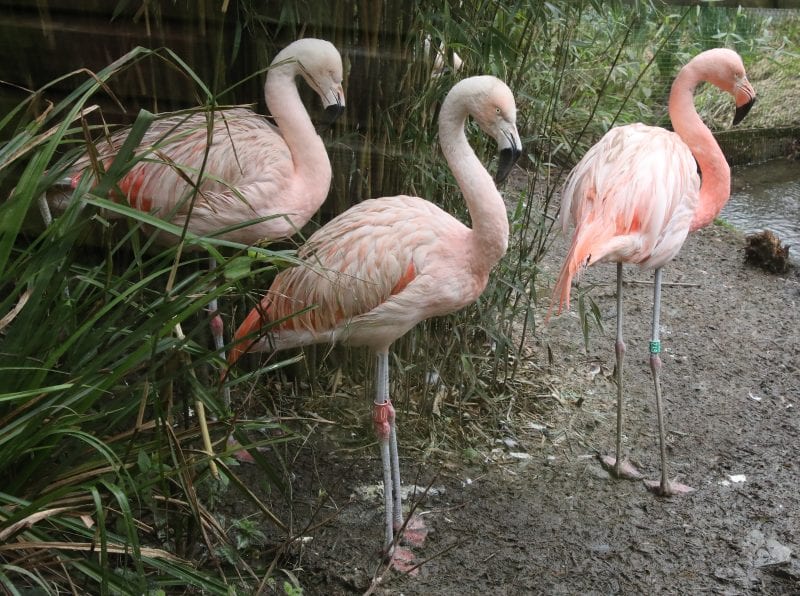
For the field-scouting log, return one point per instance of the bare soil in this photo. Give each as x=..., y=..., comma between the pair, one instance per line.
x=532, y=512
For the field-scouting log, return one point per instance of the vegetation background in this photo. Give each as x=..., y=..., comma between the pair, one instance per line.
x=103, y=485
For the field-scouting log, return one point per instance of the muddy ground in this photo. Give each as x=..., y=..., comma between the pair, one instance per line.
x=532, y=512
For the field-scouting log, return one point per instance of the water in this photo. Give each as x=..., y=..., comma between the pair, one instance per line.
x=767, y=196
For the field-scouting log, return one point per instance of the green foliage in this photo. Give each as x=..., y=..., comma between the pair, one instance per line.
x=103, y=472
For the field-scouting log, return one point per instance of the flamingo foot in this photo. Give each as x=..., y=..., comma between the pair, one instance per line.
x=625, y=470
x=415, y=532
x=671, y=488
x=240, y=455
x=402, y=560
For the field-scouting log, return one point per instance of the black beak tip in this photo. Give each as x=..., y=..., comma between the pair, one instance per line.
x=508, y=157
x=332, y=112
x=742, y=111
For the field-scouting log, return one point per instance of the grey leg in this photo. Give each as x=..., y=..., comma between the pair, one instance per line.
x=664, y=486
x=619, y=350
x=217, y=331
x=44, y=209
x=621, y=468
x=383, y=421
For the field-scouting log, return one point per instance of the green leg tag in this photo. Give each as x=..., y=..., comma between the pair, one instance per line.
x=655, y=347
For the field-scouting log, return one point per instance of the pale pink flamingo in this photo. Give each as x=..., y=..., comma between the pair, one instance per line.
x=229, y=173
x=375, y=271
x=242, y=169
x=636, y=195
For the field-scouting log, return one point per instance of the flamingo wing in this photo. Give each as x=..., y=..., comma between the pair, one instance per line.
x=370, y=275
x=631, y=198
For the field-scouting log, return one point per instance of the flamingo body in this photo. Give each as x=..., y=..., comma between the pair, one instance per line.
x=374, y=273
x=250, y=168
x=634, y=198
x=384, y=265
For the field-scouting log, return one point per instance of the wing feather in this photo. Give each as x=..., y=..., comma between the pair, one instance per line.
x=376, y=254
x=632, y=197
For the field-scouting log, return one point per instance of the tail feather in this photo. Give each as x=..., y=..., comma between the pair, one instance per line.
x=590, y=243
x=561, y=291
x=244, y=339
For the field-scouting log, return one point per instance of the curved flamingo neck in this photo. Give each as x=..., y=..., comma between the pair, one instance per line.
x=486, y=207
x=715, y=187
x=311, y=164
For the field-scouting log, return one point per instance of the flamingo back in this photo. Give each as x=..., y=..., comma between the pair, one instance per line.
x=246, y=169
x=631, y=198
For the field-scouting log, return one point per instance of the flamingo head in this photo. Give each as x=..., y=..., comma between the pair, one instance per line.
x=320, y=64
x=724, y=68
x=493, y=108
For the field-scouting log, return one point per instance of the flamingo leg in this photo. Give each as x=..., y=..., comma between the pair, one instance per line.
x=47, y=217
x=44, y=210
x=217, y=332
x=398, y=497
x=619, y=467
x=383, y=422
x=217, y=329
x=383, y=418
x=664, y=487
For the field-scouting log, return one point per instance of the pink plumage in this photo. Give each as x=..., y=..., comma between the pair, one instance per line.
x=382, y=266
x=636, y=194
x=634, y=198
x=250, y=168
x=373, y=273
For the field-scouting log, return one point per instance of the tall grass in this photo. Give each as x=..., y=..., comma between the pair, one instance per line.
x=104, y=477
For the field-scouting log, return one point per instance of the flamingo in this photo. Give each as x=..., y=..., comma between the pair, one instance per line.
x=386, y=264
x=636, y=195
x=275, y=176
x=241, y=179
x=243, y=169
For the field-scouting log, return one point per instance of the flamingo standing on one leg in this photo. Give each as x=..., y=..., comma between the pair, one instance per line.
x=277, y=176
x=386, y=264
x=636, y=195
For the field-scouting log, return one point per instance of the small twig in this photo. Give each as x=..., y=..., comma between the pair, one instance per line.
x=644, y=282
x=4, y=322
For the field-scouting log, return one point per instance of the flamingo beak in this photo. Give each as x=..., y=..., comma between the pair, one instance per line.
x=332, y=112
x=508, y=157
x=747, y=95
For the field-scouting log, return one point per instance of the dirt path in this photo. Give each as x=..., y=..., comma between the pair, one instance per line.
x=551, y=521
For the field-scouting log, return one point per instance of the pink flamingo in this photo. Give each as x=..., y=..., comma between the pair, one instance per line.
x=242, y=179
x=384, y=265
x=636, y=195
